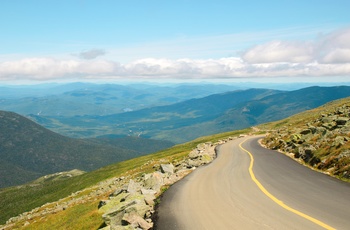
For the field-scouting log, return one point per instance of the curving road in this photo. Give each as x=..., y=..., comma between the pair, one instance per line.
x=225, y=195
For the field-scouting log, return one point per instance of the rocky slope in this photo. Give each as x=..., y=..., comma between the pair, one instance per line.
x=321, y=140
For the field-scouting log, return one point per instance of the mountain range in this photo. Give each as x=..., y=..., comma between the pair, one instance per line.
x=187, y=120
x=29, y=150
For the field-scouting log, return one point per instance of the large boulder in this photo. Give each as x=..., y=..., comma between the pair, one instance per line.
x=136, y=221
x=341, y=121
x=133, y=187
x=167, y=168
x=154, y=181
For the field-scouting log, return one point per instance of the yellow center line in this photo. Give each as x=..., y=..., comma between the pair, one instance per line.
x=279, y=202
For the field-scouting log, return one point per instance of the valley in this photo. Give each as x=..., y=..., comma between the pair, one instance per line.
x=30, y=151
x=187, y=120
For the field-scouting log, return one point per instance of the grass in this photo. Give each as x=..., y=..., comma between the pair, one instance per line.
x=75, y=218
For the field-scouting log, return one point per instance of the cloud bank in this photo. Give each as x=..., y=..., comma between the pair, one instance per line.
x=328, y=55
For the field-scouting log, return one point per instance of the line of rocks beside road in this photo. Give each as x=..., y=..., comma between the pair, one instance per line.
x=132, y=206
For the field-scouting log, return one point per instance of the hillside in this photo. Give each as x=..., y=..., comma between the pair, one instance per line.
x=318, y=138
x=89, y=189
x=28, y=151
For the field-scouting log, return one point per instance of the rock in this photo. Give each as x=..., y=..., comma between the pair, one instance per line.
x=306, y=153
x=139, y=207
x=148, y=191
x=321, y=130
x=206, y=158
x=167, y=168
x=154, y=181
x=193, y=163
x=132, y=206
x=117, y=192
x=314, y=160
x=114, y=215
x=102, y=203
x=136, y=221
x=194, y=154
x=330, y=126
x=133, y=187
x=149, y=199
x=305, y=131
x=342, y=121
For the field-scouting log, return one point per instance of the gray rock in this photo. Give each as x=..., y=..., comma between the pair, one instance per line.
x=139, y=207
x=321, y=130
x=330, y=125
x=133, y=187
x=194, y=154
x=149, y=199
x=154, y=181
x=114, y=215
x=148, y=191
x=136, y=221
x=117, y=192
x=167, y=168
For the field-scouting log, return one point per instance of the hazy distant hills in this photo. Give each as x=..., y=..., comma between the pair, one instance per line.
x=28, y=150
x=98, y=99
x=184, y=121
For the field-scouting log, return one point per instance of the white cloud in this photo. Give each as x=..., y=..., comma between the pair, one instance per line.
x=332, y=48
x=328, y=55
x=280, y=51
x=49, y=68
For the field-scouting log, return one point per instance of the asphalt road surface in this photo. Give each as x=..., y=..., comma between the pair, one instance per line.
x=226, y=194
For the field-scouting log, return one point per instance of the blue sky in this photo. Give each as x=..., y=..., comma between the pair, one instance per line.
x=121, y=40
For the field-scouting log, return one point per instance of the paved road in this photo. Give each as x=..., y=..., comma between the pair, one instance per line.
x=223, y=194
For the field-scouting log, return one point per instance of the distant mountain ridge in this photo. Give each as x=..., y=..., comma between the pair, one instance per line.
x=282, y=105
x=187, y=120
x=77, y=99
x=28, y=151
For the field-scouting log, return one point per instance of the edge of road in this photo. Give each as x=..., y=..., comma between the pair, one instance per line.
x=272, y=197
